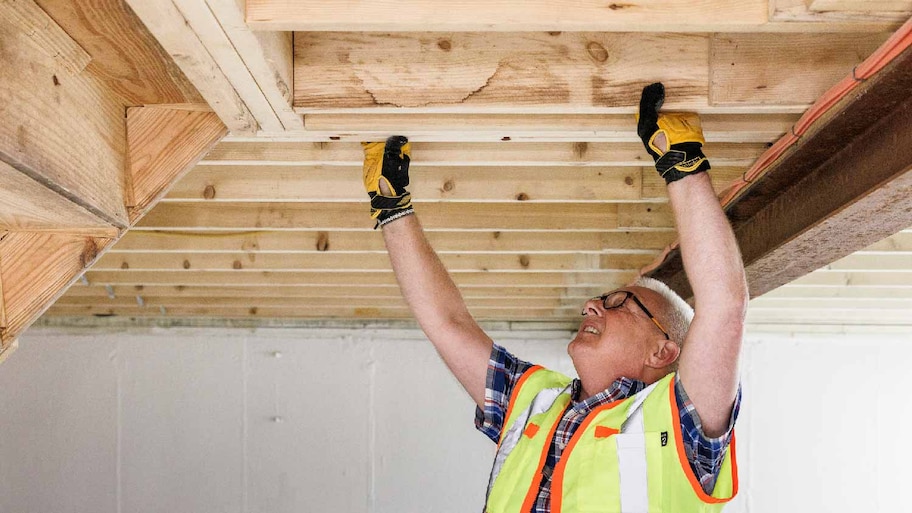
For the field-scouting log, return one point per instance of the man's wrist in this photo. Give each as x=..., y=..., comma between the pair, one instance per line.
x=394, y=216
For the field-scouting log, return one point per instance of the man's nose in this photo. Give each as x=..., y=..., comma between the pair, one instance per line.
x=593, y=307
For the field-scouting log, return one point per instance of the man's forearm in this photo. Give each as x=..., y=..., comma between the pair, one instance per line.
x=437, y=304
x=708, y=246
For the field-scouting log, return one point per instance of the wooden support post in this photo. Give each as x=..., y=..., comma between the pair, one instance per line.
x=844, y=185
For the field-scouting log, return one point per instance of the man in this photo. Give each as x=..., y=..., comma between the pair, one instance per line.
x=647, y=426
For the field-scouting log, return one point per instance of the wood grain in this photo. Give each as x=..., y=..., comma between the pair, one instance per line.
x=511, y=16
x=744, y=127
x=268, y=56
x=164, y=144
x=324, y=183
x=125, y=56
x=356, y=262
x=37, y=268
x=585, y=279
x=183, y=45
x=766, y=68
x=46, y=34
x=64, y=131
x=512, y=154
x=28, y=205
x=527, y=72
x=434, y=216
x=371, y=240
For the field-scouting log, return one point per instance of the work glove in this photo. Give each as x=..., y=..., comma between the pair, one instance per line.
x=388, y=163
x=681, y=153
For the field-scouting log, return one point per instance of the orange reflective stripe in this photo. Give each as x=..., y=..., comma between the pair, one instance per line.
x=531, y=430
x=557, y=483
x=513, y=395
x=682, y=457
x=605, y=431
x=536, y=477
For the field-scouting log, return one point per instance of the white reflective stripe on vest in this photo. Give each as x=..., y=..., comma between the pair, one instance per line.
x=540, y=404
x=631, y=454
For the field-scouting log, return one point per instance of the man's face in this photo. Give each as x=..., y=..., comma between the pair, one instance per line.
x=617, y=338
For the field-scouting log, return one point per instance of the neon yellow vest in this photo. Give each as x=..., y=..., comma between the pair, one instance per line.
x=626, y=456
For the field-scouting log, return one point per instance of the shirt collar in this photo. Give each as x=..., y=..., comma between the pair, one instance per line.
x=622, y=388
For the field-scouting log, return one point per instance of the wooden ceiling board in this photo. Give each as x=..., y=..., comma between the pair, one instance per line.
x=527, y=172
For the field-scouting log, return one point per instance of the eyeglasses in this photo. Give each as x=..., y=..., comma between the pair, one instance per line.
x=616, y=299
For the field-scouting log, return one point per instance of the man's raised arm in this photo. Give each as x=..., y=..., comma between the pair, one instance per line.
x=708, y=364
x=427, y=287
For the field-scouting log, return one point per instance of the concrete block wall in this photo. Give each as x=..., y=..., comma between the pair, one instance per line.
x=368, y=420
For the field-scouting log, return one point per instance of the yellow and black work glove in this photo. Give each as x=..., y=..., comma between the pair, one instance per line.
x=679, y=153
x=388, y=163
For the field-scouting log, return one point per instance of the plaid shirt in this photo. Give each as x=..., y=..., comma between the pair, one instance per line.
x=704, y=454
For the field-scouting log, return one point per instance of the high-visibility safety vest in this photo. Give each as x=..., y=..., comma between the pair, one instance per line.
x=626, y=456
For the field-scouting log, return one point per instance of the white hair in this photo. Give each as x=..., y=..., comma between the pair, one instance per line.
x=678, y=315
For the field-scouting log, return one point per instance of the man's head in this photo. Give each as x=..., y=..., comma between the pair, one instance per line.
x=635, y=331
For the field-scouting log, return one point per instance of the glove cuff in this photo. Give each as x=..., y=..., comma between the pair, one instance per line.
x=388, y=216
x=682, y=160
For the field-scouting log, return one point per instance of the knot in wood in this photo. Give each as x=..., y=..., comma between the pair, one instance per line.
x=125, y=265
x=89, y=252
x=628, y=180
x=445, y=45
x=554, y=33
x=524, y=260
x=448, y=186
x=253, y=311
x=580, y=149
x=186, y=264
x=597, y=51
x=209, y=192
x=522, y=196
x=237, y=264
x=322, y=241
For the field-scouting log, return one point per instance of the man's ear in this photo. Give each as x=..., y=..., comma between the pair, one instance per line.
x=663, y=354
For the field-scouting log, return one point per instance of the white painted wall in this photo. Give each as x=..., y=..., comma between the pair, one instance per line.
x=368, y=420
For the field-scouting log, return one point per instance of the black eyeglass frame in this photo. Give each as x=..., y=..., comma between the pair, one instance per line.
x=627, y=295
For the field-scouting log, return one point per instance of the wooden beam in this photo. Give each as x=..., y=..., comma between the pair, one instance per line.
x=365, y=312
x=801, y=13
x=524, y=16
x=305, y=303
x=599, y=279
x=170, y=28
x=744, y=127
x=80, y=156
x=203, y=20
x=526, y=72
x=501, y=154
x=314, y=291
x=897, y=6
x=370, y=240
x=901, y=241
x=47, y=35
x=842, y=187
x=30, y=205
x=324, y=183
x=268, y=56
x=357, y=262
x=124, y=55
x=809, y=292
x=37, y=268
x=434, y=216
x=765, y=68
x=164, y=144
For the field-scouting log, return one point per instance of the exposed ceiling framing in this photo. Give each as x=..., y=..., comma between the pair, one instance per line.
x=527, y=171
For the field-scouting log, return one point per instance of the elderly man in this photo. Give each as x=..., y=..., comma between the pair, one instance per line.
x=648, y=426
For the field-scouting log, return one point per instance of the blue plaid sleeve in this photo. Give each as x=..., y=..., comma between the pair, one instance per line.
x=504, y=370
x=704, y=454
